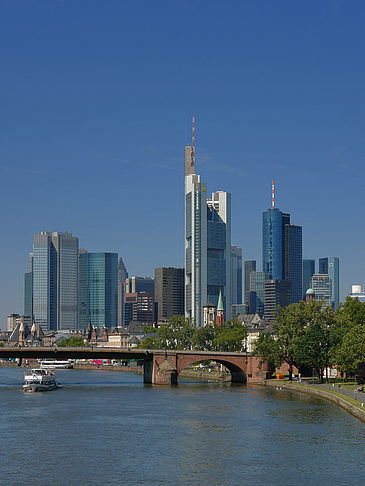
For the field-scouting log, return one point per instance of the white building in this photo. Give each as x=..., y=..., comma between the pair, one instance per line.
x=357, y=291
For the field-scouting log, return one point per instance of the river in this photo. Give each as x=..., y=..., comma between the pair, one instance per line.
x=107, y=428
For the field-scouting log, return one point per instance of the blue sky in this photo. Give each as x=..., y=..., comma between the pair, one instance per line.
x=96, y=106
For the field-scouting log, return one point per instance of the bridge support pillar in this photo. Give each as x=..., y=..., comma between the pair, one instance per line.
x=147, y=371
x=164, y=374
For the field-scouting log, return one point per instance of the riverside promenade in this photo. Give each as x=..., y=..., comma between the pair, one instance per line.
x=340, y=396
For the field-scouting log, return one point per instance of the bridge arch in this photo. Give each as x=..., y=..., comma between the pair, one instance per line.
x=237, y=370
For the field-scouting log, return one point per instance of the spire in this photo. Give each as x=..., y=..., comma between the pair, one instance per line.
x=220, y=302
x=193, y=144
x=273, y=194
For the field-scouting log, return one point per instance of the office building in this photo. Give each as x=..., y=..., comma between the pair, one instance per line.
x=138, y=307
x=169, y=292
x=282, y=250
x=277, y=293
x=219, y=250
x=28, y=294
x=98, y=289
x=238, y=309
x=257, y=292
x=331, y=267
x=322, y=287
x=357, y=292
x=55, y=280
x=207, y=243
x=236, y=275
x=249, y=266
x=122, y=276
x=139, y=284
x=308, y=271
x=14, y=319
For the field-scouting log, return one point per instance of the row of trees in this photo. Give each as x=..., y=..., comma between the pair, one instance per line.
x=181, y=333
x=311, y=335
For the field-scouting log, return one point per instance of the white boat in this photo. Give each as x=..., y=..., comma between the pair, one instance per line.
x=51, y=364
x=37, y=380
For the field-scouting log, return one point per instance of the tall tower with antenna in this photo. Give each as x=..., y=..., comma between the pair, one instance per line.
x=195, y=237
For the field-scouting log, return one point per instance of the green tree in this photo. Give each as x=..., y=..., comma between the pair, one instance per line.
x=351, y=352
x=231, y=337
x=267, y=347
x=76, y=341
x=313, y=348
x=204, y=337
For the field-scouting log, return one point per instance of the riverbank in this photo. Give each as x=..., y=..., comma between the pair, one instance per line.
x=331, y=395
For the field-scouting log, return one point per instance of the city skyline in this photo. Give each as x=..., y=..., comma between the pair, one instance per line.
x=99, y=129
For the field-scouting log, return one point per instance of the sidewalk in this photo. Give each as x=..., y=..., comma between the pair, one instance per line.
x=359, y=396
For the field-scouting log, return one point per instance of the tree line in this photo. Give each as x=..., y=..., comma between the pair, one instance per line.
x=312, y=335
x=182, y=334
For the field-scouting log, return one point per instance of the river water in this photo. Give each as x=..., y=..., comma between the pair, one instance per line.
x=107, y=428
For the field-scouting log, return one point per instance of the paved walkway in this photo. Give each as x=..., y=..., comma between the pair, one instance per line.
x=360, y=396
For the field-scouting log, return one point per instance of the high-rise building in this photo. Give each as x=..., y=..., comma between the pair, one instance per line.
x=322, y=287
x=249, y=266
x=139, y=284
x=15, y=319
x=331, y=267
x=282, y=250
x=207, y=243
x=357, y=292
x=219, y=250
x=236, y=275
x=98, y=289
x=169, y=292
x=122, y=276
x=55, y=280
x=308, y=271
x=257, y=292
x=28, y=294
x=139, y=307
x=277, y=293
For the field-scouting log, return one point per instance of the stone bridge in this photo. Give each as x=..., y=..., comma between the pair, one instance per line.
x=160, y=367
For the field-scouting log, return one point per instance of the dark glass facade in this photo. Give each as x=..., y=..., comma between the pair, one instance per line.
x=331, y=267
x=293, y=262
x=98, y=289
x=169, y=292
x=249, y=266
x=28, y=294
x=272, y=243
x=257, y=286
x=308, y=271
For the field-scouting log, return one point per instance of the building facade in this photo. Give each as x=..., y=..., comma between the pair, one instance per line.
x=139, y=307
x=357, y=292
x=122, y=276
x=277, y=293
x=309, y=269
x=331, y=267
x=322, y=287
x=55, y=280
x=257, y=292
x=236, y=275
x=139, y=284
x=249, y=266
x=169, y=292
x=98, y=289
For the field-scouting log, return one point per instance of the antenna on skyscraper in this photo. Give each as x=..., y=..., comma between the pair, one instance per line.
x=273, y=194
x=193, y=144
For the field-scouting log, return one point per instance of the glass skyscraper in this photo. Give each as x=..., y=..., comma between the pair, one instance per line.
x=55, y=280
x=257, y=292
x=282, y=251
x=308, y=271
x=331, y=267
x=98, y=289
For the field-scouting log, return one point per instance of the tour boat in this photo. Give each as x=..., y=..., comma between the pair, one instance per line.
x=37, y=380
x=53, y=364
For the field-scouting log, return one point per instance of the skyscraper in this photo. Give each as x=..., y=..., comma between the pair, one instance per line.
x=276, y=294
x=207, y=243
x=322, y=286
x=55, y=280
x=98, y=289
x=308, y=271
x=122, y=276
x=169, y=292
x=236, y=275
x=219, y=250
x=257, y=292
x=282, y=250
x=331, y=267
x=249, y=266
